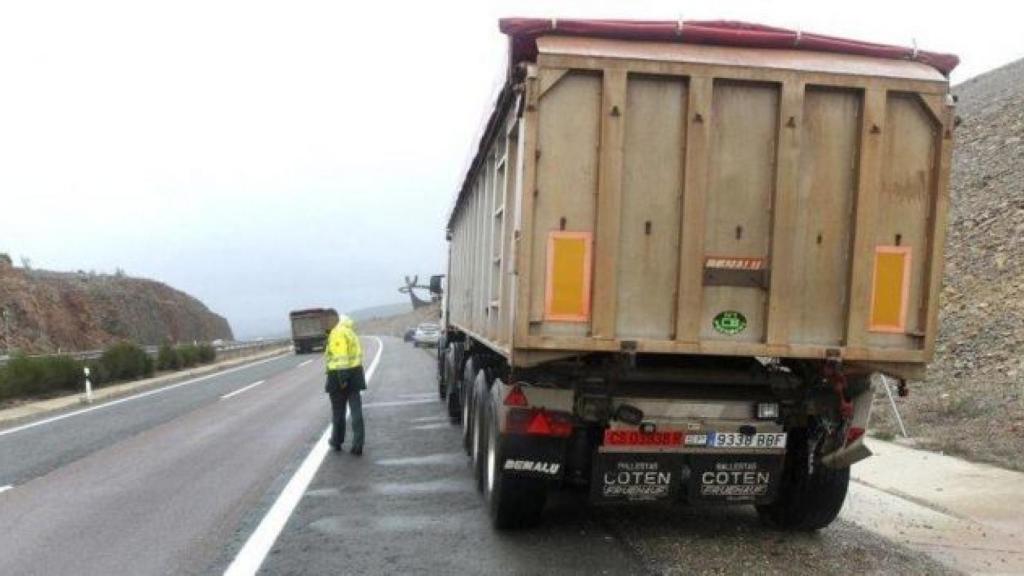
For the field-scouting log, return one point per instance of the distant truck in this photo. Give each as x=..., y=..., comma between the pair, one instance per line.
x=310, y=327
x=680, y=257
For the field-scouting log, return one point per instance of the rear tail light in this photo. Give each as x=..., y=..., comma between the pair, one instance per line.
x=538, y=422
x=854, y=434
x=516, y=397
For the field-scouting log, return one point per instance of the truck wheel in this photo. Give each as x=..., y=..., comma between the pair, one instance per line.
x=479, y=441
x=468, y=377
x=452, y=384
x=440, y=350
x=512, y=502
x=806, y=502
x=442, y=385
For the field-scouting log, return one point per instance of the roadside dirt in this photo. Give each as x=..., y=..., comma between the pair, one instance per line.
x=397, y=325
x=730, y=540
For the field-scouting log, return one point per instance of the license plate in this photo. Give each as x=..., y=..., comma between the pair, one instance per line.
x=738, y=440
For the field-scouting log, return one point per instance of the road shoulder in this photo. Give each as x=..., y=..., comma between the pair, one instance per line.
x=970, y=516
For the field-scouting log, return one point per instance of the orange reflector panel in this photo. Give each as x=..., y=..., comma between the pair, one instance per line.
x=890, y=289
x=567, y=293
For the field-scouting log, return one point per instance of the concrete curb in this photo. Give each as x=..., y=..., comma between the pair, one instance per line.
x=14, y=414
x=967, y=515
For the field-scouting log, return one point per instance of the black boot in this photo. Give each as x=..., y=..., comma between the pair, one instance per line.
x=357, y=450
x=336, y=446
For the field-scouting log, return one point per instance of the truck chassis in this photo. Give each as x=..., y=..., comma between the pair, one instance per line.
x=636, y=429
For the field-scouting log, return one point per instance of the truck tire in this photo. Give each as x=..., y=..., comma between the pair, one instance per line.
x=478, y=445
x=442, y=384
x=441, y=350
x=452, y=383
x=806, y=502
x=468, y=377
x=512, y=502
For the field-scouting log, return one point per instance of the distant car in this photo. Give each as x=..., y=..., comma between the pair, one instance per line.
x=407, y=337
x=427, y=334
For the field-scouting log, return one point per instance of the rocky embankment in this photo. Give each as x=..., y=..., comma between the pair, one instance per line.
x=973, y=400
x=396, y=325
x=48, y=311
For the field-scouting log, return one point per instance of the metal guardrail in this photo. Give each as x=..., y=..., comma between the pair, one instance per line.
x=153, y=350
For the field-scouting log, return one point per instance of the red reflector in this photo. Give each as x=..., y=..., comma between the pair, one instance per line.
x=854, y=434
x=538, y=422
x=539, y=425
x=516, y=397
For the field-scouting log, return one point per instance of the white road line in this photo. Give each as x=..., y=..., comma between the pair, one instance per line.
x=437, y=426
x=130, y=398
x=256, y=548
x=5, y=488
x=240, y=390
x=400, y=403
x=438, y=418
x=304, y=363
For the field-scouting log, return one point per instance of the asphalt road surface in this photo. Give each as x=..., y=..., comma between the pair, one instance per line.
x=159, y=484
x=179, y=481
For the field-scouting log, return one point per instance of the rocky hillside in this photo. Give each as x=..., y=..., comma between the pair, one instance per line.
x=973, y=401
x=79, y=311
x=397, y=324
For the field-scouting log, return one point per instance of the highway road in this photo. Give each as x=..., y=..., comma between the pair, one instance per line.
x=230, y=472
x=157, y=484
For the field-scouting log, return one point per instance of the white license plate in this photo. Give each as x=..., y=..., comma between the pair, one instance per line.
x=738, y=440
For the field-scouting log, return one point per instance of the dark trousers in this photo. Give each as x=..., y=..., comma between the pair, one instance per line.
x=350, y=397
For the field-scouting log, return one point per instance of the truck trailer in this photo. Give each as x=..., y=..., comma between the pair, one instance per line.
x=310, y=327
x=682, y=256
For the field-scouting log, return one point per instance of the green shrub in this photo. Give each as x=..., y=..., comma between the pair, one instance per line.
x=98, y=374
x=189, y=354
x=167, y=358
x=207, y=353
x=23, y=376
x=126, y=361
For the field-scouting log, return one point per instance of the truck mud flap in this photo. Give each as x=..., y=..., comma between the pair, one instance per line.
x=734, y=479
x=637, y=478
x=530, y=457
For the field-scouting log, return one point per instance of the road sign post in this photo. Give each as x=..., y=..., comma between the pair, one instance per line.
x=88, y=386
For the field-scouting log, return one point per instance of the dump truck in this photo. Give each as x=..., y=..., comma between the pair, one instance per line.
x=682, y=257
x=310, y=327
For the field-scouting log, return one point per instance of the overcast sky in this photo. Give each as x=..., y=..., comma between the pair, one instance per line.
x=268, y=156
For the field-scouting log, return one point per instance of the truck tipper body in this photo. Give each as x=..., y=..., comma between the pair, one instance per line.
x=681, y=256
x=310, y=327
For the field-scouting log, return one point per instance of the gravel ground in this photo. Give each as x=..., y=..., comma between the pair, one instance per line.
x=732, y=541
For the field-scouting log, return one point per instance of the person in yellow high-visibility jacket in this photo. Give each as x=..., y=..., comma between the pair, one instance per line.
x=345, y=382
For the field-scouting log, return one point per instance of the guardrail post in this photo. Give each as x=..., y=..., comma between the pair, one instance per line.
x=88, y=386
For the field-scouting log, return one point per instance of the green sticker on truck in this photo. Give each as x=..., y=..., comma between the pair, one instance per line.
x=729, y=322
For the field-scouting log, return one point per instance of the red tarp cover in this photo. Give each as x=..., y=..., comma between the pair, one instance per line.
x=524, y=33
